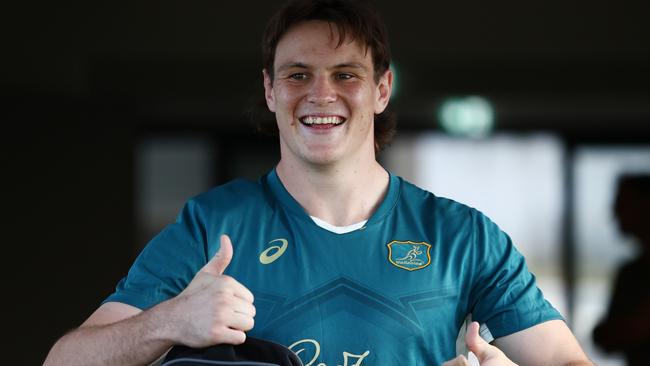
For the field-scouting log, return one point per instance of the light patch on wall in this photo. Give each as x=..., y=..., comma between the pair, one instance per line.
x=468, y=116
x=396, y=85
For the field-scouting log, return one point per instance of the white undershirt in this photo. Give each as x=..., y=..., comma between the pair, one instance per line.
x=338, y=229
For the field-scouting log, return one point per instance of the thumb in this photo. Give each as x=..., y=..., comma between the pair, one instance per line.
x=478, y=345
x=458, y=361
x=221, y=260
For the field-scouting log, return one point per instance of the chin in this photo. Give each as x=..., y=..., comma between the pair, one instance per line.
x=323, y=158
x=321, y=161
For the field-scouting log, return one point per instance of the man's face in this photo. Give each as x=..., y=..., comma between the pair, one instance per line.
x=324, y=97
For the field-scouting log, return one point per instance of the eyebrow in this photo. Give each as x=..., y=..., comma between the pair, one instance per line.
x=291, y=65
x=301, y=65
x=352, y=65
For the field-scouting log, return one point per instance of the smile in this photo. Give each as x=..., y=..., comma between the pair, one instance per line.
x=322, y=121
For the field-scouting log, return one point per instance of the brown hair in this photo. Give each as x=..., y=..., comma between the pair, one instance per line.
x=353, y=19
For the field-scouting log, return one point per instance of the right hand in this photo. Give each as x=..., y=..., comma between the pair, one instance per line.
x=487, y=354
x=214, y=308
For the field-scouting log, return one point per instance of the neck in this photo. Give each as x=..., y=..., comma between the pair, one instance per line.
x=341, y=194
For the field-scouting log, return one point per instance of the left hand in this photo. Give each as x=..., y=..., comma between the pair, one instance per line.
x=487, y=354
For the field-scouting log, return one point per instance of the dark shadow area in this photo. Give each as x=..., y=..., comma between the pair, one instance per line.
x=626, y=327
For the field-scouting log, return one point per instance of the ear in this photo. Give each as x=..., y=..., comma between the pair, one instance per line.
x=268, y=91
x=384, y=88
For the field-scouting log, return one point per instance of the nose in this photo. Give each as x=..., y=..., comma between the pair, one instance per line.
x=322, y=91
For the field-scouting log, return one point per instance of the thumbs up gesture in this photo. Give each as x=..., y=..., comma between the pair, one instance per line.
x=214, y=308
x=487, y=354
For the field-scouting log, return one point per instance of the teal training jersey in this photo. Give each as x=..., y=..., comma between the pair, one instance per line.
x=394, y=292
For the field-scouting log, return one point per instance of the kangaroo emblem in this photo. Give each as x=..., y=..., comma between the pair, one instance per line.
x=412, y=254
x=409, y=255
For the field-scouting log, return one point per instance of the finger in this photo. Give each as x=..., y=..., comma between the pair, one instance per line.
x=221, y=260
x=241, y=322
x=243, y=307
x=240, y=291
x=478, y=345
x=232, y=336
x=458, y=361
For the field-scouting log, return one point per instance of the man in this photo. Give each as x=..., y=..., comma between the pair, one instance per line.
x=345, y=263
x=626, y=327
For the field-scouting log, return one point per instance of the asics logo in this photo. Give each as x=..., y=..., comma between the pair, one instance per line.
x=265, y=258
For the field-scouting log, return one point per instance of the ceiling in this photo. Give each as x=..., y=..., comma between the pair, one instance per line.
x=558, y=65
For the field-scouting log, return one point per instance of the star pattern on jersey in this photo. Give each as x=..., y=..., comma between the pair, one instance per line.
x=403, y=310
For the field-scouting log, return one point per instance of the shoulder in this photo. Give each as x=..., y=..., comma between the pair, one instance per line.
x=226, y=204
x=454, y=221
x=442, y=207
x=234, y=194
x=234, y=190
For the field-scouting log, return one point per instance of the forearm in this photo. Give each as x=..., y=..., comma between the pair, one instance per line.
x=579, y=363
x=212, y=309
x=585, y=362
x=138, y=340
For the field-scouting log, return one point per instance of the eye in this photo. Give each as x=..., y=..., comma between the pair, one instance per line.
x=298, y=76
x=344, y=76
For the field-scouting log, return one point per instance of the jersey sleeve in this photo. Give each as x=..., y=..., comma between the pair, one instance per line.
x=504, y=293
x=168, y=262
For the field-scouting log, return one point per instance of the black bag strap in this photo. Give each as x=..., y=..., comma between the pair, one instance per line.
x=253, y=352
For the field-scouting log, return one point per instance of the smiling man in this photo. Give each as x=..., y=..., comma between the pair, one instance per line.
x=332, y=256
x=325, y=96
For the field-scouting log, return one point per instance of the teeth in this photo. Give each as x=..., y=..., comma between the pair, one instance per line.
x=330, y=120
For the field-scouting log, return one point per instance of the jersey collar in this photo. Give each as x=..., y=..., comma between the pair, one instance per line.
x=281, y=194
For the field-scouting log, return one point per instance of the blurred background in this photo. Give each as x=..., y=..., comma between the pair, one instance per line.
x=115, y=114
